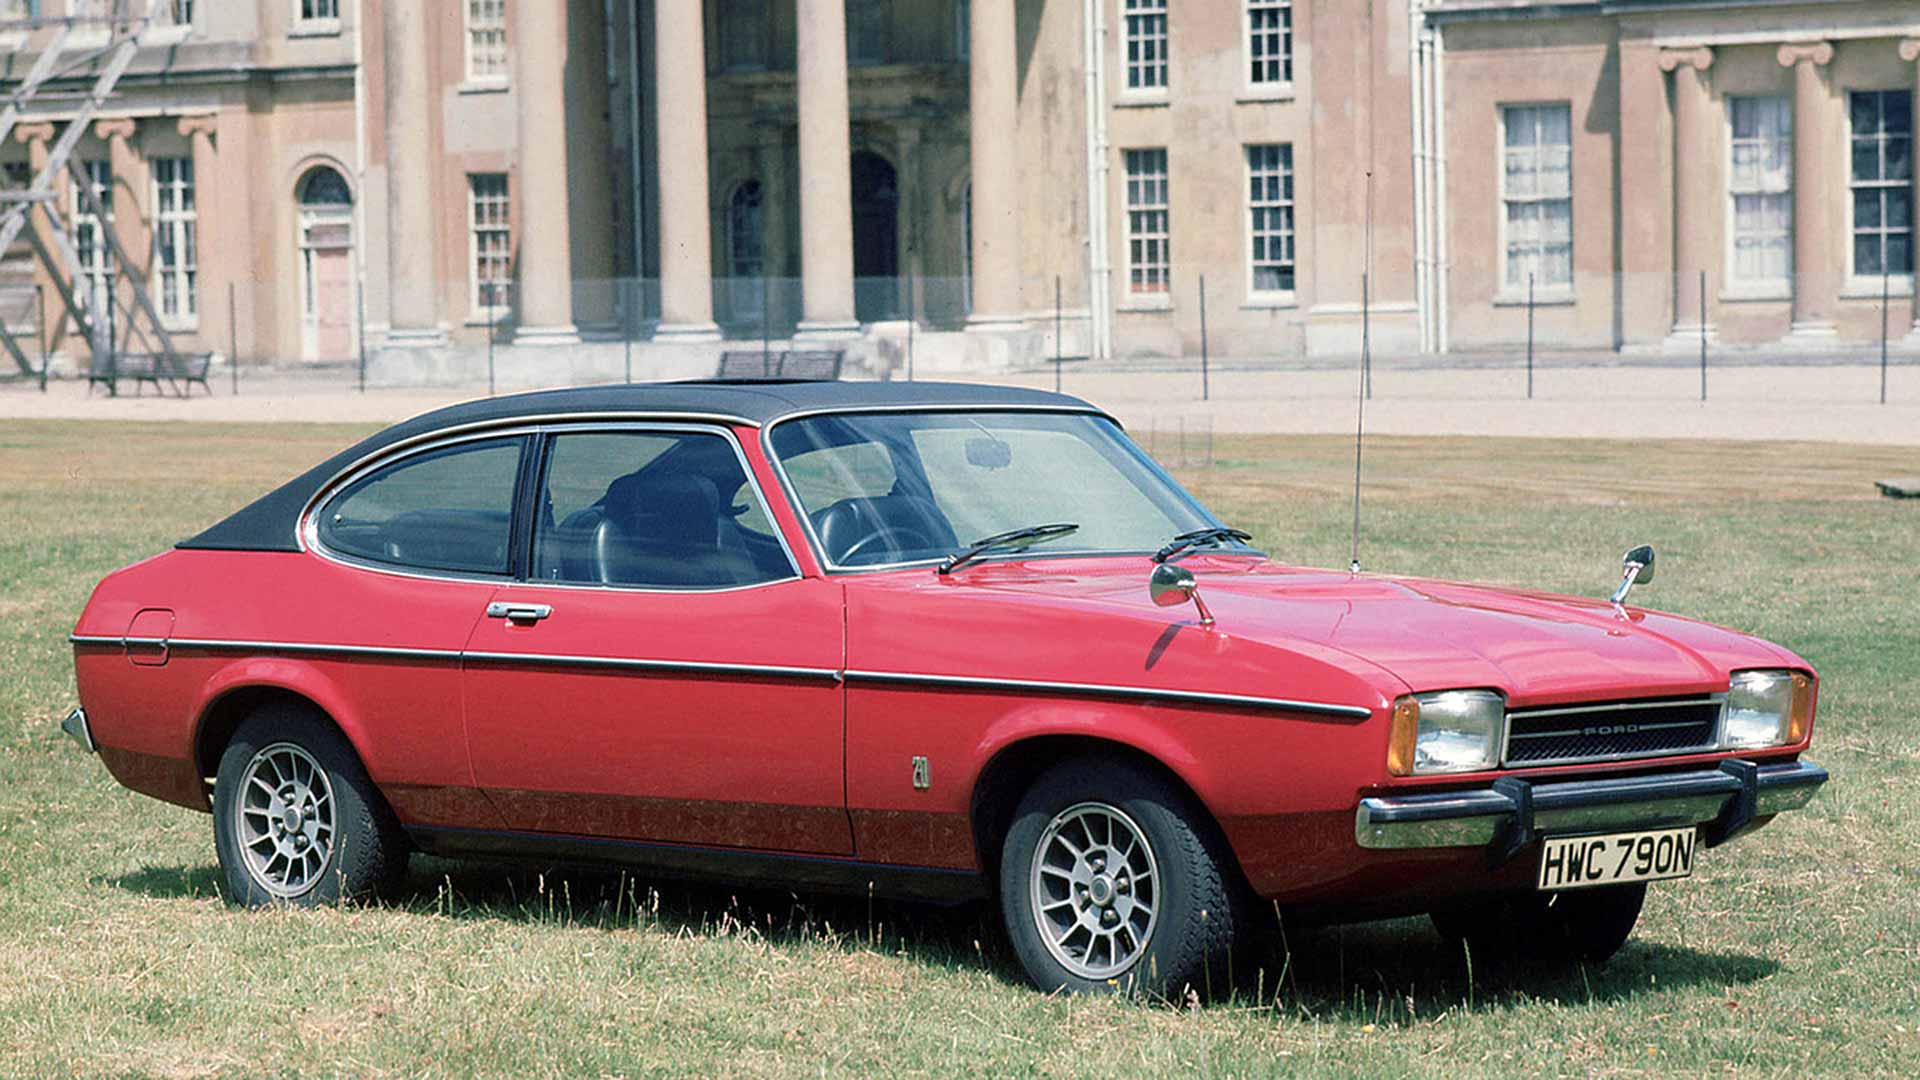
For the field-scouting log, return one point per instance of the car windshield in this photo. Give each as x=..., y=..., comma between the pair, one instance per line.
x=887, y=488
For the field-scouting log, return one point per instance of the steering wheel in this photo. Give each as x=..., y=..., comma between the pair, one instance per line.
x=893, y=535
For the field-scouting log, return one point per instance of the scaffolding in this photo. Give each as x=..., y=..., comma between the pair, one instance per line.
x=79, y=60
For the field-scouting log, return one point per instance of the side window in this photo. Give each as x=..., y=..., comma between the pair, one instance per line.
x=664, y=510
x=449, y=509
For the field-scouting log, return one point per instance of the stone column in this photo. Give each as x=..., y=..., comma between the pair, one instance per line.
x=1814, y=292
x=993, y=116
x=210, y=237
x=826, y=173
x=412, y=266
x=686, y=223
x=1910, y=52
x=1695, y=137
x=37, y=136
x=128, y=198
x=544, y=311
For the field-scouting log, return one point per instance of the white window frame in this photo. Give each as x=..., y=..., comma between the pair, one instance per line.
x=1542, y=291
x=98, y=271
x=1131, y=90
x=479, y=53
x=1288, y=203
x=480, y=310
x=1249, y=38
x=183, y=223
x=1739, y=286
x=1871, y=284
x=315, y=16
x=1163, y=236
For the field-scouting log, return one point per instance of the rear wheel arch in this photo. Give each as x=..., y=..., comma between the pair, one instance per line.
x=222, y=717
x=1015, y=766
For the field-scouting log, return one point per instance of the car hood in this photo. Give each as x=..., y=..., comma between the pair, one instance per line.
x=1537, y=648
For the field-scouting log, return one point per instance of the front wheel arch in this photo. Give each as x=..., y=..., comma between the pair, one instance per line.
x=1014, y=768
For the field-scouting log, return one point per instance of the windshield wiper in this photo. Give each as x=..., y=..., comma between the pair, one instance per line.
x=1196, y=538
x=1017, y=540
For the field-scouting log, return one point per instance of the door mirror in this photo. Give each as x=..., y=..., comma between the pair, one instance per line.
x=1171, y=586
x=1640, y=562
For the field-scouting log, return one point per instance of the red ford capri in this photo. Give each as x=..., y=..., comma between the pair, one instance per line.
x=924, y=640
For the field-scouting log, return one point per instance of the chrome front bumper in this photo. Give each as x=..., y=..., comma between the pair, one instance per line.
x=75, y=725
x=1512, y=813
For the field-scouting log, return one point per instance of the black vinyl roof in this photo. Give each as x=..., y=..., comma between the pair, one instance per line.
x=270, y=522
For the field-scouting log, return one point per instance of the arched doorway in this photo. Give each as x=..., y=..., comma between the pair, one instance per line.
x=326, y=265
x=877, y=294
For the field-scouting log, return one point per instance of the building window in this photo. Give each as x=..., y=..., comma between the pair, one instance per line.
x=743, y=35
x=1760, y=185
x=867, y=32
x=316, y=11
x=1146, y=22
x=1270, y=216
x=90, y=237
x=1149, y=251
x=490, y=233
x=963, y=30
x=176, y=258
x=487, y=40
x=1269, y=42
x=183, y=12
x=1536, y=190
x=1881, y=182
x=746, y=251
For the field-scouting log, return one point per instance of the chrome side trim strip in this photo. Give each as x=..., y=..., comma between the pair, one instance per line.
x=303, y=647
x=544, y=659
x=621, y=663
x=1136, y=693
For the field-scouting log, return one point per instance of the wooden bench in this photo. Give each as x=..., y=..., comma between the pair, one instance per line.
x=819, y=364
x=178, y=370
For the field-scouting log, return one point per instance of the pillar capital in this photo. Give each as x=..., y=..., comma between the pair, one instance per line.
x=1699, y=58
x=202, y=124
x=39, y=132
x=1909, y=48
x=118, y=127
x=1817, y=53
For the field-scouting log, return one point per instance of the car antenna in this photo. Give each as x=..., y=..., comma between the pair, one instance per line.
x=1366, y=375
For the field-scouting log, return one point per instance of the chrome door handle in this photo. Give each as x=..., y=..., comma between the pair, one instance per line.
x=518, y=613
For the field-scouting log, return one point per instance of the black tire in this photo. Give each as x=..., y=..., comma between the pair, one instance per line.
x=1547, y=929
x=1200, y=900
x=365, y=850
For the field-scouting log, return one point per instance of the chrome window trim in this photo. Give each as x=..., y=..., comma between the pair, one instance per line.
x=1139, y=693
x=500, y=424
x=309, y=528
x=832, y=568
x=1713, y=744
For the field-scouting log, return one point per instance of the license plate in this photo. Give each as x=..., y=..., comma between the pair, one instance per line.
x=1575, y=862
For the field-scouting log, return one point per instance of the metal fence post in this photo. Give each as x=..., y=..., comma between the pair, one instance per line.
x=1059, y=355
x=1529, y=335
x=1366, y=337
x=40, y=331
x=233, y=335
x=1204, y=389
x=630, y=286
x=1703, y=335
x=1884, y=298
x=766, y=327
x=360, y=303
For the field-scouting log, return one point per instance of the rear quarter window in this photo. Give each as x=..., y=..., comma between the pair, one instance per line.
x=449, y=509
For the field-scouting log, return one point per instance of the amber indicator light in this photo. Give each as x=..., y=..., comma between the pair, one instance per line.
x=1800, y=719
x=1406, y=726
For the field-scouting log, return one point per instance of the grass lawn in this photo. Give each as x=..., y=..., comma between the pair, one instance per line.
x=1794, y=951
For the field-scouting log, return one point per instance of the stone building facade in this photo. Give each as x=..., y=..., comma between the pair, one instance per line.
x=560, y=178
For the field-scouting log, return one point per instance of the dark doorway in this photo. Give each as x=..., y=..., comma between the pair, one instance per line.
x=877, y=290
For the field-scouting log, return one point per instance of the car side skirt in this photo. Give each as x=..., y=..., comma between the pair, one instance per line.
x=723, y=865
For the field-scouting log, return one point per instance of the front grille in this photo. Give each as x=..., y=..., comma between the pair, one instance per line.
x=1613, y=731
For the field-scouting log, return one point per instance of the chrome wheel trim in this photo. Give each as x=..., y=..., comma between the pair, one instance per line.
x=1095, y=890
x=283, y=819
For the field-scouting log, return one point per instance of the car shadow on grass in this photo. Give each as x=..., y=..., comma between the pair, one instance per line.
x=1391, y=972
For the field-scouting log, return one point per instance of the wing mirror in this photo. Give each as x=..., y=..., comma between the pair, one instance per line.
x=1171, y=586
x=1636, y=569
